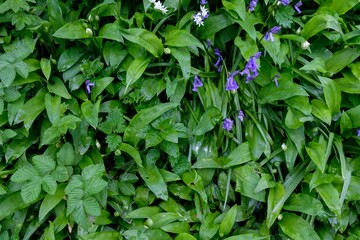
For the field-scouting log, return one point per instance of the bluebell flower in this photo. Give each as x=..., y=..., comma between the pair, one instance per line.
x=203, y=2
x=218, y=63
x=231, y=83
x=285, y=2
x=228, y=124
x=269, y=34
x=358, y=132
x=276, y=77
x=241, y=116
x=88, y=86
x=251, y=68
x=296, y=7
x=197, y=83
x=252, y=5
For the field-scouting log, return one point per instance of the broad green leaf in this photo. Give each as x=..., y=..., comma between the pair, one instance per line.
x=237, y=6
x=239, y=155
x=248, y=24
x=321, y=111
x=106, y=235
x=143, y=118
x=332, y=94
x=317, y=152
x=214, y=24
x=354, y=115
x=318, y=23
x=276, y=50
x=135, y=70
x=246, y=236
x=248, y=47
x=55, y=14
x=113, y=54
x=208, y=228
x=49, y=184
x=341, y=59
x=57, y=86
x=182, y=38
x=185, y=236
x=182, y=55
x=266, y=181
x=154, y=181
x=31, y=109
x=194, y=181
x=91, y=112
x=275, y=195
x=177, y=228
x=100, y=85
x=353, y=193
x=69, y=57
x=161, y=219
x=295, y=119
x=144, y=212
x=50, y=201
x=46, y=67
x=53, y=107
x=7, y=74
x=228, y=221
x=246, y=182
x=319, y=178
x=10, y=204
x=331, y=197
x=296, y=227
x=304, y=203
x=111, y=31
x=317, y=65
x=145, y=39
x=66, y=154
x=22, y=69
x=285, y=90
x=62, y=173
x=91, y=206
x=43, y=163
x=349, y=84
x=24, y=174
x=207, y=121
x=49, y=233
x=341, y=7
x=72, y=30
x=30, y=191
x=133, y=152
x=300, y=103
x=17, y=147
x=93, y=171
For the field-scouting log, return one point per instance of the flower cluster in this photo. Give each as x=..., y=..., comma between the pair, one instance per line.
x=252, y=5
x=251, y=68
x=203, y=14
x=228, y=124
x=197, y=83
x=230, y=82
x=159, y=6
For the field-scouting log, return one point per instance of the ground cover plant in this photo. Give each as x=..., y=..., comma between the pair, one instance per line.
x=179, y=119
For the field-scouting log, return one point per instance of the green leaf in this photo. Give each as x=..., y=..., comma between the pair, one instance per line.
x=144, y=212
x=91, y=206
x=113, y=54
x=24, y=174
x=111, y=31
x=31, y=109
x=22, y=69
x=207, y=121
x=49, y=184
x=237, y=6
x=43, y=163
x=317, y=64
x=46, y=67
x=321, y=111
x=182, y=38
x=91, y=171
x=106, y=235
x=185, y=236
x=178, y=228
x=53, y=107
x=345, y=123
x=62, y=173
x=284, y=16
x=91, y=112
x=276, y=50
x=214, y=24
x=296, y=227
x=57, y=86
x=10, y=204
x=145, y=39
x=299, y=103
x=304, y=203
x=143, y=118
x=194, y=181
x=50, y=201
x=332, y=94
x=341, y=59
x=30, y=191
x=161, y=219
x=72, y=30
x=276, y=194
x=49, y=233
x=339, y=6
x=94, y=185
x=285, y=90
x=66, y=154
x=133, y=152
x=55, y=14
x=7, y=74
x=331, y=197
x=318, y=23
x=100, y=85
x=154, y=181
x=241, y=154
x=182, y=55
x=135, y=70
x=317, y=152
x=69, y=57
x=228, y=221
x=248, y=48
x=208, y=228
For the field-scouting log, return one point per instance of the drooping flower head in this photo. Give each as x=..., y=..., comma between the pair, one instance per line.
x=231, y=83
x=241, y=116
x=252, y=5
x=228, y=124
x=358, y=132
x=297, y=7
x=159, y=6
x=197, y=83
x=218, y=63
x=284, y=2
x=200, y=16
x=276, y=77
x=203, y=2
x=88, y=86
x=251, y=68
x=269, y=34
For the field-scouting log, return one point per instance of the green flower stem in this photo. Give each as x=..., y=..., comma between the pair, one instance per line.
x=272, y=155
x=227, y=188
x=306, y=77
x=237, y=121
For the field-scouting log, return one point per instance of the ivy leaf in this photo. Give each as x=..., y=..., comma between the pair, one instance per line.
x=284, y=16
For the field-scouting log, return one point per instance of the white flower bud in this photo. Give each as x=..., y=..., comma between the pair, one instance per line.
x=305, y=45
x=167, y=51
x=89, y=31
x=283, y=147
x=298, y=31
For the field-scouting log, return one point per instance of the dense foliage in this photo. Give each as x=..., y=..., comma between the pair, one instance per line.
x=179, y=119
